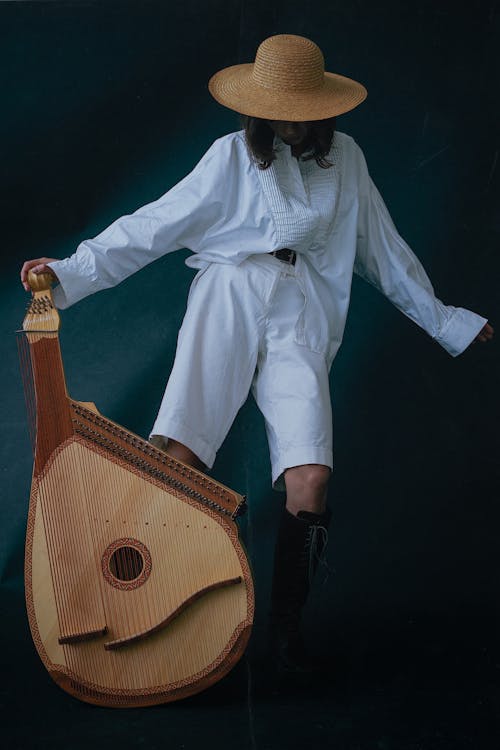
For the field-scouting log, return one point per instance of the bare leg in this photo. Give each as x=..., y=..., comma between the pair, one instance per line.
x=178, y=450
x=183, y=453
x=306, y=488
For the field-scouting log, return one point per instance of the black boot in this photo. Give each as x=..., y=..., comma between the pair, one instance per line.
x=299, y=549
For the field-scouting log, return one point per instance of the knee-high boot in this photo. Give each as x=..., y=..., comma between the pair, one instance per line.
x=299, y=549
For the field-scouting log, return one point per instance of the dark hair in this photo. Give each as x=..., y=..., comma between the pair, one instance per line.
x=260, y=136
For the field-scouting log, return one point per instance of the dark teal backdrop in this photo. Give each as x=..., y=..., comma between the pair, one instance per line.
x=105, y=107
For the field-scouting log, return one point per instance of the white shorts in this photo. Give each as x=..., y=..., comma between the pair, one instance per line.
x=239, y=334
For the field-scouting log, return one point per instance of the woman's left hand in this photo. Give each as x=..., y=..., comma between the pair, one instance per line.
x=485, y=334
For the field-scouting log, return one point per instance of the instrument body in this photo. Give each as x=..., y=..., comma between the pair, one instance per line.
x=138, y=589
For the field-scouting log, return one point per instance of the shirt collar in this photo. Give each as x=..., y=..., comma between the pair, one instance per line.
x=279, y=146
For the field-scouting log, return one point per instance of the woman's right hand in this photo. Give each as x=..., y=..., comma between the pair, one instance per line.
x=39, y=265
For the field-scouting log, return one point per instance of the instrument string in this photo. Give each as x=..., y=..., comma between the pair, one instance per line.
x=120, y=602
x=59, y=519
x=146, y=605
x=67, y=518
x=43, y=363
x=80, y=657
x=123, y=600
x=139, y=616
x=44, y=498
x=152, y=602
x=68, y=469
x=143, y=615
x=92, y=494
x=86, y=658
x=132, y=602
x=67, y=499
x=28, y=387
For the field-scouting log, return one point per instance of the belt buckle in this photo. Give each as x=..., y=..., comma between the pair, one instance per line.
x=289, y=259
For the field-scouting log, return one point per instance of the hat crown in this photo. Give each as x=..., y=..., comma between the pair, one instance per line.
x=287, y=62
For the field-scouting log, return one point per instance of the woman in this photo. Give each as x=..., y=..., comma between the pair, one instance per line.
x=279, y=216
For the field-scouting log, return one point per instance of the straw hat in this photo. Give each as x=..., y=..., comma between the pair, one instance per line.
x=286, y=82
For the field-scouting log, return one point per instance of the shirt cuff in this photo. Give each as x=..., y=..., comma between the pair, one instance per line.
x=76, y=280
x=460, y=330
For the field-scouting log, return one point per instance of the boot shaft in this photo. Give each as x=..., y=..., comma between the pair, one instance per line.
x=300, y=547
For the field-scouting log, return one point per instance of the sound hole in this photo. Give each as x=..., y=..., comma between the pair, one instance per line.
x=126, y=563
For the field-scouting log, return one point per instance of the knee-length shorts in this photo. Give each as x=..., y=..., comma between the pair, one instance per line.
x=239, y=334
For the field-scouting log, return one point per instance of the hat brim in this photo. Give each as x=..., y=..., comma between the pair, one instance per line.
x=235, y=88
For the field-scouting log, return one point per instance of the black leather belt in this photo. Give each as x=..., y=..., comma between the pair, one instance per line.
x=286, y=255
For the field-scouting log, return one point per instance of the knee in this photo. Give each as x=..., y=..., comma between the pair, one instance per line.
x=177, y=450
x=309, y=480
x=184, y=454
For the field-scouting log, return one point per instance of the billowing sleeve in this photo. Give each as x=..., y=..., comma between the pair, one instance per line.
x=179, y=219
x=384, y=259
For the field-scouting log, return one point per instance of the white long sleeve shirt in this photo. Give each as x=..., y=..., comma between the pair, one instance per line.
x=227, y=209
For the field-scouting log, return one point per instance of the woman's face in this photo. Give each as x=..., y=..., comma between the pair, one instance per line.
x=291, y=133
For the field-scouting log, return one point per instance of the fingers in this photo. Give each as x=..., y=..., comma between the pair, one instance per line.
x=485, y=334
x=38, y=265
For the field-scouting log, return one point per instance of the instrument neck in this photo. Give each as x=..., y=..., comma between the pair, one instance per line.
x=53, y=418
